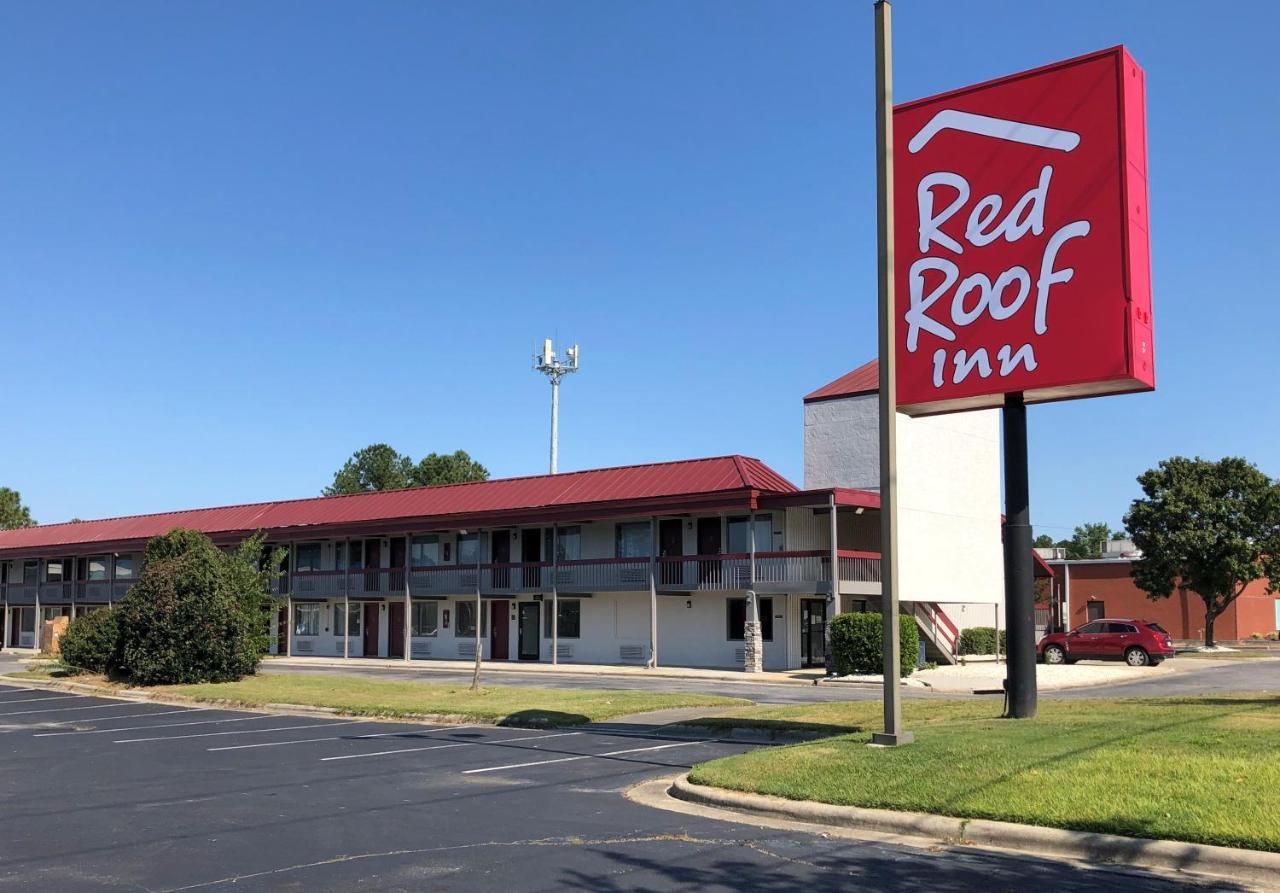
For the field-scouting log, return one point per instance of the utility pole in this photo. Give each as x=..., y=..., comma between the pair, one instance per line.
x=555, y=369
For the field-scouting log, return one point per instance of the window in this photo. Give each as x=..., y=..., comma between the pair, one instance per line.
x=737, y=619
x=465, y=627
x=306, y=557
x=631, y=540
x=124, y=567
x=306, y=620
x=31, y=570
x=740, y=534
x=51, y=612
x=55, y=570
x=1097, y=610
x=568, y=543
x=98, y=565
x=1121, y=628
x=468, y=548
x=426, y=618
x=354, y=617
x=90, y=609
x=569, y=625
x=1158, y=628
x=355, y=554
x=1096, y=627
x=424, y=551
x=27, y=623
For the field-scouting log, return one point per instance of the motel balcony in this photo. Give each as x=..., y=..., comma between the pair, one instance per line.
x=790, y=571
x=86, y=591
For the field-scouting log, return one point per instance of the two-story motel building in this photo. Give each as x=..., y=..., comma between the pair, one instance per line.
x=691, y=563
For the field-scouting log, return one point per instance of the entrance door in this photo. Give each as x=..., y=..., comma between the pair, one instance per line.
x=813, y=628
x=500, y=554
x=708, y=544
x=671, y=545
x=499, y=631
x=530, y=631
x=372, y=561
x=370, y=641
x=395, y=629
x=530, y=555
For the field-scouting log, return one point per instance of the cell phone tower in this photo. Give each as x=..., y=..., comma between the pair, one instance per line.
x=555, y=369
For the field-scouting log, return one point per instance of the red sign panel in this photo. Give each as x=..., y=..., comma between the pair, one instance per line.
x=1022, y=256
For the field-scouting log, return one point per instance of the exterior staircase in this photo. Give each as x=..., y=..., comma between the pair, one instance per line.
x=941, y=637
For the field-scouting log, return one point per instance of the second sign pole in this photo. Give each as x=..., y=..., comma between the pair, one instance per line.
x=1019, y=585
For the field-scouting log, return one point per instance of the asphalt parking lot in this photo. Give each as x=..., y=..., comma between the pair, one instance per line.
x=104, y=794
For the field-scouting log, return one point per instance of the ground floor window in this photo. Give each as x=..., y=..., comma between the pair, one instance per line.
x=426, y=618
x=466, y=624
x=569, y=618
x=89, y=609
x=355, y=615
x=55, y=611
x=737, y=619
x=306, y=620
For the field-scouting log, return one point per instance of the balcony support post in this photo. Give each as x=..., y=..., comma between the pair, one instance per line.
x=408, y=598
x=7, y=621
x=653, y=593
x=555, y=594
x=288, y=625
x=475, y=678
x=39, y=625
x=833, y=594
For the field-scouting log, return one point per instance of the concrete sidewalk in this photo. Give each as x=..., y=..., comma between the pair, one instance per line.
x=453, y=667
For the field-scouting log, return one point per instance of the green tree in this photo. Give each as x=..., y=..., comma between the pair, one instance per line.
x=450, y=468
x=1213, y=527
x=13, y=513
x=197, y=613
x=1043, y=541
x=1088, y=540
x=376, y=467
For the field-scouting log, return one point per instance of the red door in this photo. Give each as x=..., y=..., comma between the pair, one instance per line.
x=371, y=629
x=499, y=631
x=395, y=629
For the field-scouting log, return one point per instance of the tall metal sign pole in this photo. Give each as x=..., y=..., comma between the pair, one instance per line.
x=1019, y=585
x=893, y=733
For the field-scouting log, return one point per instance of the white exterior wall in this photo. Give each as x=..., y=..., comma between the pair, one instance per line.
x=949, y=548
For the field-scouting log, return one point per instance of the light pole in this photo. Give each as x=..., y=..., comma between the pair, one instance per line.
x=555, y=369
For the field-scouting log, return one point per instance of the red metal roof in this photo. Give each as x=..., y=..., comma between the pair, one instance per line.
x=863, y=380
x=638, y=488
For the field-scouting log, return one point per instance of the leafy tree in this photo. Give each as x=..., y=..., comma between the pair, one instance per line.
x=13, y=513
x=376, y=467
x=197, y=613
x=1088, y=540
x=90, y=642
x=1043, y=541
x=1213, y=527
x=450, y=468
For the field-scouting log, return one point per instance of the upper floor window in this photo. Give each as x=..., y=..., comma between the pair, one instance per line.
x=56, y=570
x=124, y=567
x=31, y=570
x=568, y=542
x=631, y=540
x=98, y=568
x=424, y=551
x=740, y=534
x=306, y=557
x=468, y=548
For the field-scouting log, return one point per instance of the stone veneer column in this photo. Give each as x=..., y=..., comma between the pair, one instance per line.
x=752, y=642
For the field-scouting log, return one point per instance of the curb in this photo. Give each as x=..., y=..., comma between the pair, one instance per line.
x=1253, y=866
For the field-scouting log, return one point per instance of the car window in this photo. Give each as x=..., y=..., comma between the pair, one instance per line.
x=1120, y=628
x=1158, y=628
x=1096, y=627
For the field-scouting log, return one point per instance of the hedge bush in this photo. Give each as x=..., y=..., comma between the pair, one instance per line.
x=980, y=640
x=856, y=643
x=196, y=614
x=89, y=642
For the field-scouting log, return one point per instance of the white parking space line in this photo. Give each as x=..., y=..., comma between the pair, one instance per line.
x=161, y=725
x=407, y=734
x=585, y=756
x=68, y=709
x=383, y=753
x=32, y=700
x=317, y=725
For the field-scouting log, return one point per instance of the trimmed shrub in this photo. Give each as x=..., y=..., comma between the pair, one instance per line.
x=89, y=643
x=857, y=643
x=980, y=640
x=196, y=614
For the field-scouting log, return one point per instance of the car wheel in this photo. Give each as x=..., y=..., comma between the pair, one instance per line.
x=1053, y=654
x=1136, y=657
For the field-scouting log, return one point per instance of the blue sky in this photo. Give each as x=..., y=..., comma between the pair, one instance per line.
x=240, y=240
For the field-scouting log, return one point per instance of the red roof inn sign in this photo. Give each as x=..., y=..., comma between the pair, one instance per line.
x=1021, y=238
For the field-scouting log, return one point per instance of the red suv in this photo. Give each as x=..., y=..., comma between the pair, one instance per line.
x=1136, y=642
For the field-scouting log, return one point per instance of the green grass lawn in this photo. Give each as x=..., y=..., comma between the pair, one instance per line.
x=1198, y=769
x=507, y=704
